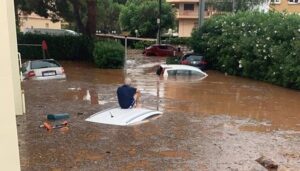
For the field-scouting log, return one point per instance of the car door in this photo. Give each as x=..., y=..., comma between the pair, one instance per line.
x=163, y=50
x=171, y=51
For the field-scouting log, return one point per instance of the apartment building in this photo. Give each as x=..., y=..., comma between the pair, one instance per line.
x=187, y=13
x=35, y=21
x=285, y=5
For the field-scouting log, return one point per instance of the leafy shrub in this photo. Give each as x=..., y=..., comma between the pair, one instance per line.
x=179, y=40
x=59, y=47
x=262, y=46
x=172, y=60
x=142, y=44
x=109, y=54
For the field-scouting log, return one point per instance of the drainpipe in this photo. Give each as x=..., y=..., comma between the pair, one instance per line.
x=201, y=13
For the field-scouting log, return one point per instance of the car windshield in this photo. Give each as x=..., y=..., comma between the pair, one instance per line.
x=44, y=64
x=184, y=72
x=194, y=58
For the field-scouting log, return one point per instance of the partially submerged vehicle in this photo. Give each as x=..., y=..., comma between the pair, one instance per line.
x=166, y=70
x=43, y=69
x=124, y=117
x=162, y=50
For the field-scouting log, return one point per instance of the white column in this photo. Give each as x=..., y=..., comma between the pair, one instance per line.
x=9, y=82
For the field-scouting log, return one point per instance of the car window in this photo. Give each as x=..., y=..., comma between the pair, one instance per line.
x=163, y=47
x=194, y=58
x=179, y=72
x=172, y=72
x=171, y=48
x=197, y=73
x=44, y=64
x=183, y=72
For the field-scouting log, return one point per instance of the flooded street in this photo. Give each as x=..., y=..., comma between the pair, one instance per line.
x=218, y=123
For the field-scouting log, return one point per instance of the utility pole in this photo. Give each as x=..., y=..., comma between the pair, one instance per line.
x=159, y=23
x=201, y=13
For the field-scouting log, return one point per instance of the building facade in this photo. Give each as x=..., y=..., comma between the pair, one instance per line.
x=187, y=13
x=35, y=21
x=291, y=6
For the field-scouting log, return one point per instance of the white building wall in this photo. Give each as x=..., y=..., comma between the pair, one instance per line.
x=9, y=152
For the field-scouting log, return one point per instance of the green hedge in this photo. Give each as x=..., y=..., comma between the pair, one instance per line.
x=59, y=47
x=142, y=44
x=109, y=54
x=180, y=40
x=262, y=46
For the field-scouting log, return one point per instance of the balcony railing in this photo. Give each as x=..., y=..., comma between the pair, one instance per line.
x=193, y=14
x=187, y=14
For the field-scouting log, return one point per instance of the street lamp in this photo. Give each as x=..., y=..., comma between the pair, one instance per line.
x=170, y=31
x=136, y=32
x=159, y=22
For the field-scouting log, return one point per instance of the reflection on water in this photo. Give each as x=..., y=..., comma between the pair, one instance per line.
x=214, y=95
x=90, y=96
x=235, y=96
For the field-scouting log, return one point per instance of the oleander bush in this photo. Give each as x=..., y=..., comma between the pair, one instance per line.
x=109, y=54
x=173, y=60
x=262, y=46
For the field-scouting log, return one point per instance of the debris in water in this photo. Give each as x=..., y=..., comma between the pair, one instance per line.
x=58, y=116
x=267, y=163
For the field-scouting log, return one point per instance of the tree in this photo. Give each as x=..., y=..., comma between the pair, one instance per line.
x=142, y=16
x=82, y=12
x=108, y=16
x=234, y=5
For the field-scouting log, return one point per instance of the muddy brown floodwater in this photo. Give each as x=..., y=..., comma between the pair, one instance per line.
x=219, y=123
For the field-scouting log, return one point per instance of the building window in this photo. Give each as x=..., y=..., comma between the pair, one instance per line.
x=275, y=1
x=47, y=25
x=294, y=1
x=188, y=7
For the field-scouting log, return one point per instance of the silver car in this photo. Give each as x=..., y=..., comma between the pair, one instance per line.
x=44, y=69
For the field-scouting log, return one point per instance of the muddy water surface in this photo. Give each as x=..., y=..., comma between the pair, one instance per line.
x=219, y=123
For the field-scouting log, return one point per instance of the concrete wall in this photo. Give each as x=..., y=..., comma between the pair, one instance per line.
x=181, y=13
x=185, y=27
x=285, y=5
x=9, y=152
x=35, y=21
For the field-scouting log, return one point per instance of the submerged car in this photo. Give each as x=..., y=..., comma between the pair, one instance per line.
x=161, y=50
x=193, y=59
x=43, y=69
x=179, y=70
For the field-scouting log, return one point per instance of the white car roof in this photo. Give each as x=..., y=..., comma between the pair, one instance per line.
x=117, y=116
x=185, y=67
x=174, y=66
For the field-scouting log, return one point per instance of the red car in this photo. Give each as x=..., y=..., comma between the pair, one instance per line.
x=162, y=50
